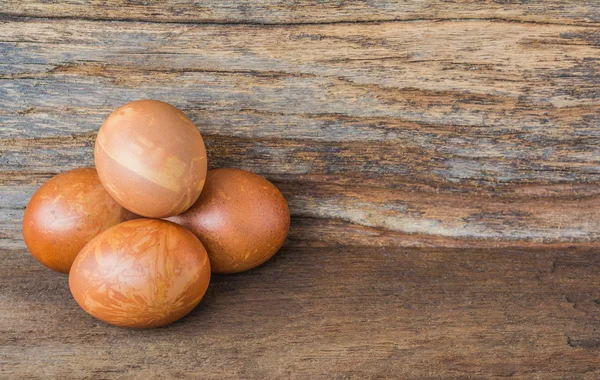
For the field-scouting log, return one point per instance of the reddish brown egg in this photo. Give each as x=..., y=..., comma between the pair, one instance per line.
x=65, y=214
x=151, y=158
x=241, y=218
x=142, y=273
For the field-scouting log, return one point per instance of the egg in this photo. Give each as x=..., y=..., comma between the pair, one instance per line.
x=151, y=158
x=65, y=213
x=241, y=218
x=140, y=274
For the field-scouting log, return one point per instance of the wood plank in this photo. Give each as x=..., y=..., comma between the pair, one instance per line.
x=522, y=126
x=523, y=213
x=377, y=312
x=304, y=11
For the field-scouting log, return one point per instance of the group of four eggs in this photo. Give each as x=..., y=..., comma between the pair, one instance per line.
x=140, y=234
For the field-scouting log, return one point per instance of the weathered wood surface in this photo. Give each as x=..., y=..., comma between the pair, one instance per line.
x=441, y=160
x=309, y=12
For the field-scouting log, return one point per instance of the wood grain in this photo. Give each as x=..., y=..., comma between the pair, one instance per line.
x=339, y=312
x=304, y=11
x=441, y=160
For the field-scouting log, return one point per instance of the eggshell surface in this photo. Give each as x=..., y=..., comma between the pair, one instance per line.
x=151, y=158
x=241, y=218
x=65, y=213
x=140, y=274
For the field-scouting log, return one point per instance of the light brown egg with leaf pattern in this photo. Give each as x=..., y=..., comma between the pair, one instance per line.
x=140, y=274
x=151, y=158
x=241, y=218
x=65, y=213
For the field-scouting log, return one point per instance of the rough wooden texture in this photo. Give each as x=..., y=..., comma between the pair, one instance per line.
x=309, y=12
x=441, y=160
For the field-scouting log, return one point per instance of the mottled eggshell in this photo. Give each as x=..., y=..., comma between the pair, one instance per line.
x=140, y=274
x=151, y=158
x=65, y=214
x=241, y=218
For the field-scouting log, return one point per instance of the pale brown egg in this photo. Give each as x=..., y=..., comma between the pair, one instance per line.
x=151, y=158
x=65, y=213
x=241, y=218
x=140, y=274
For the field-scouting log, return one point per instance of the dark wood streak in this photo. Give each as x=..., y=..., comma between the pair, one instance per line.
x=307, y=12
x=441, y=160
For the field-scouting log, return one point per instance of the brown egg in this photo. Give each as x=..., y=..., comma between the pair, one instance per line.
x=241, y=218
x=65, y=214
x=142, y=273
x=151, y=158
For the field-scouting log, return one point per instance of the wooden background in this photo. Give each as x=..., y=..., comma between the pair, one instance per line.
x=441, y=159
